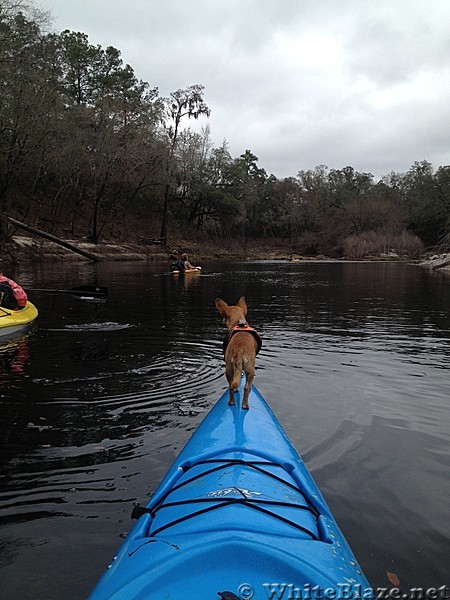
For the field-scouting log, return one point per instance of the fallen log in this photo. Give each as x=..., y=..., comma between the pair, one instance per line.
x=446, y=263
x=50, y=237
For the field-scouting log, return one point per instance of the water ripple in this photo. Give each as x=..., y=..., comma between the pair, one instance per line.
x=94, y=327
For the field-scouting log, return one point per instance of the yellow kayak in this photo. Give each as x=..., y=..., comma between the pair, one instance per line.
x=12, y=321
x=186, y=272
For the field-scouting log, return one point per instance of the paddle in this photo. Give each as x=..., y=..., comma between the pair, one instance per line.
x=82, y=292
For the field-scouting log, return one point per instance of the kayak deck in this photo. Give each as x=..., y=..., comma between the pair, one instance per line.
x=237, y=506
x=12, y=321
x=233, y=483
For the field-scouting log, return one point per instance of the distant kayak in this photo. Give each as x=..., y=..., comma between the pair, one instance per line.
x=237, y=512
x=197, y=270
x=13, y=321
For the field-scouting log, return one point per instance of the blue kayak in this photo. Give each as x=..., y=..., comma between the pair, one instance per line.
x=237, y=515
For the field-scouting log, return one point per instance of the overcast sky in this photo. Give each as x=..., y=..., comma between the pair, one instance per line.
x=300, y=83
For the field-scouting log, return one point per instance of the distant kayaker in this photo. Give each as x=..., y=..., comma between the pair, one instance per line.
x=187, y=264
x=12, y=295
x=177, y=265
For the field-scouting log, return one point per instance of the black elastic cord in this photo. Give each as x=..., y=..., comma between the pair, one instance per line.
x=138, y=511
x=221, y=502
x=224, y=463
x=254, y=464
x=228, y=502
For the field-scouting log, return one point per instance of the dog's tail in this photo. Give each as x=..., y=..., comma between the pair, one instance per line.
x=237, y=374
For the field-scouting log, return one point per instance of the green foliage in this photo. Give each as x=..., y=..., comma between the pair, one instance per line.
x=428, y=196
x=29, y=107
x=84, y=142
x=80, y=133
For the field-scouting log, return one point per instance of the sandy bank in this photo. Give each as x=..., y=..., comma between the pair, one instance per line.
x=29, y=249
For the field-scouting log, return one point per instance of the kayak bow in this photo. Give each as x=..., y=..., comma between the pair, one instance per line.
x=238, y=506
x=13, y=321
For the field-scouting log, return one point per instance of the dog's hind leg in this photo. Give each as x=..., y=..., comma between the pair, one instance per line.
x=248, y=364
x=247, y=387
x=229, y=372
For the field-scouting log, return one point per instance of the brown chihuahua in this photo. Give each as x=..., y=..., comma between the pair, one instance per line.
x=241, y=346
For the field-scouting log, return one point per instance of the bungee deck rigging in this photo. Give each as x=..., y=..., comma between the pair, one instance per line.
x=221, y=501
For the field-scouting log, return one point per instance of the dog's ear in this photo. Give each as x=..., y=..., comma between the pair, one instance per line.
x=221, y=306
x=243, y=305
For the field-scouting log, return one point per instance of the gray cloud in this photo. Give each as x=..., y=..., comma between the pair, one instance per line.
x=298, y=82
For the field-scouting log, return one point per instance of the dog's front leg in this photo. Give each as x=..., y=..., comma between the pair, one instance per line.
x=245, y=398
x=231, y=401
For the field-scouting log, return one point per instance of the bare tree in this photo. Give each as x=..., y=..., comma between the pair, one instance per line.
x=182, y=103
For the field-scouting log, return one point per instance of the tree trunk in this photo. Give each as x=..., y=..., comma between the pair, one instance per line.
x=444, y=264
x=50, y=237
x=163, y=234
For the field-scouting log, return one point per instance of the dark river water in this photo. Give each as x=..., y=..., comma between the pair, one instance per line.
x=98, y=399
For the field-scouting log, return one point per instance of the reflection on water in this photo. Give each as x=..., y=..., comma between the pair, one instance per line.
x=14, y=355
x=95, y=327
x=98, y=400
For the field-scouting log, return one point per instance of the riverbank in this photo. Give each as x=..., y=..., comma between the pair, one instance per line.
x=27, y=249
x=437, y=262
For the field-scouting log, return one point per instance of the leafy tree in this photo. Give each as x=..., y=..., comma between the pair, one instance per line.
x=318, y=208
x=216, y=207
x=247, y=185
x=283, y=216
x=442, y=179
x=114, y=117
x=29, y=106
x=428, y=198
x=347, y=184
x=79, y=62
